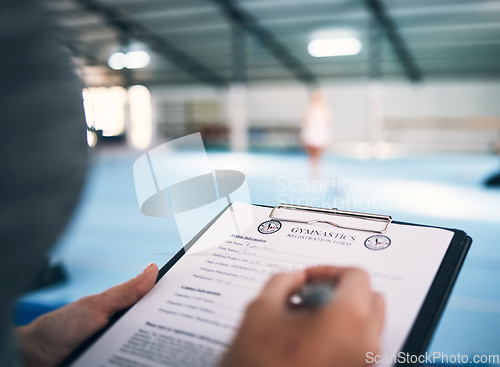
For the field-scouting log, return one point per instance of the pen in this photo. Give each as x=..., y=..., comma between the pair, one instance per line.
x=313, y=295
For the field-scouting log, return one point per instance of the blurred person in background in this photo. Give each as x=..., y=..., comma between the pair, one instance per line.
x=43, y=163
x=316, y=129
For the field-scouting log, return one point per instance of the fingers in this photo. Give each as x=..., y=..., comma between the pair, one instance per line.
x=362, y=309
x=353, y=296
x=123, y=295
x=378, y=314
x=353, y=288
x=280, y=286
x=339, y=333
x=323, y=272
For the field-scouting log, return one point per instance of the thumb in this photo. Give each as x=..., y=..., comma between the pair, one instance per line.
x=281, y=286
x=123, y=295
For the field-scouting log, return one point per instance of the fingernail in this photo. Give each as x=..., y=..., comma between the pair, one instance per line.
x=147, y=268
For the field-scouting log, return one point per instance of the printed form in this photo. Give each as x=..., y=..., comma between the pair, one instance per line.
x=192, y=313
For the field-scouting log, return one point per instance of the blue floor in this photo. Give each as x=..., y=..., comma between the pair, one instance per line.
x=109, y=240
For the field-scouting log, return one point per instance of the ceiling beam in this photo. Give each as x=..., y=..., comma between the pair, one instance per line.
x=250, y=24
x=404, y=56
x=128, y=28
x=89, y=58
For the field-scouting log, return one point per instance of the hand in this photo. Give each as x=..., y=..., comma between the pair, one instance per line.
x=339, y=333
x=52, y=337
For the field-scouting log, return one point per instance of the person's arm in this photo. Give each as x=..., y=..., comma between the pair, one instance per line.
x=338, y=334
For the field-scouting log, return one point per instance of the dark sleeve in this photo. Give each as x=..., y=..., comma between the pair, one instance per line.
x=42, y=151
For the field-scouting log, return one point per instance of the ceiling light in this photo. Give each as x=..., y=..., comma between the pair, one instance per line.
x=137, y=59
x=130, y=60
x=117, y=61
x=334, y=47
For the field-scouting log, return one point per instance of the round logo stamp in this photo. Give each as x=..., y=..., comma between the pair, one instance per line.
x=269, y=226
x=377, y=242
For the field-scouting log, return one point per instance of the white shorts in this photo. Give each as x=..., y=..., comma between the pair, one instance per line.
x=316, y=137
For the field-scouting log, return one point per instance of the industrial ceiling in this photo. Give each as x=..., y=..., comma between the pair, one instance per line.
x=221, y=41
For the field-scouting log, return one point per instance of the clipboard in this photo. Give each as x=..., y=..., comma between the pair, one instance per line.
x=432, y=307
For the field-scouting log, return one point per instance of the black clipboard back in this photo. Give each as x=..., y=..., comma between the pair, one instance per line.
x=432, y=308
x=437, y=297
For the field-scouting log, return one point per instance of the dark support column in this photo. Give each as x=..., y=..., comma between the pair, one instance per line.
x=237, y=94
x=128, y=74
x=375, y=95
x=238, y=43
x=375, y=49
x=379, y=12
